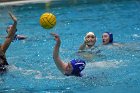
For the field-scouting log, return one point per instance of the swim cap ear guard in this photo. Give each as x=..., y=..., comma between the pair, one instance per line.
x=110, y=36
x=78, y=65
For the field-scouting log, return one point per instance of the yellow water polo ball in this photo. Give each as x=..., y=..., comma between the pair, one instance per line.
x=47, y=20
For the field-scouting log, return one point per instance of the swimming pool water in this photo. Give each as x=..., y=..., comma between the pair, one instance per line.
x=115, y=69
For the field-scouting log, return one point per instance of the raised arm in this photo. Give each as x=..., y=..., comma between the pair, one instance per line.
x=10, y=35
x=82, y=46
x=59, y=63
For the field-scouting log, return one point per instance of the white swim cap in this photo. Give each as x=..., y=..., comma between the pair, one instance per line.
x=89, y=33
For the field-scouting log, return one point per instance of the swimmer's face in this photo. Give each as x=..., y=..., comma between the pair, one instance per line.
x=9, y=28
x=68, y=69
x=90, y=39
x=105, y=38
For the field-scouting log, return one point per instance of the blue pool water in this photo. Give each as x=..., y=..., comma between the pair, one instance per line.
x=115, y=69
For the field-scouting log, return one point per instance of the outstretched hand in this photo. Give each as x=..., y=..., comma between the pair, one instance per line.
x=56, y=37
x=12, y=16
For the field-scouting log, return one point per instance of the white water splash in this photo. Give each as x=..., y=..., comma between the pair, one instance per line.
x=136, y=35
x=105, y=64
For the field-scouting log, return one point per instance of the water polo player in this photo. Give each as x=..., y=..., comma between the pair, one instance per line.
x=89, y=41
x=6, y=44
x=107, y=38
x=74, y=67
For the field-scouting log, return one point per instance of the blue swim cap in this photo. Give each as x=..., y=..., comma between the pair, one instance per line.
x=78, y=65
x=110, y=36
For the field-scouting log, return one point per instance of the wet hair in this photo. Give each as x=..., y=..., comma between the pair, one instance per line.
x=110, y=37
x=3, y=69
x=3, y=62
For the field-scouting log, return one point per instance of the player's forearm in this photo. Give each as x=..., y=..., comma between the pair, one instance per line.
x=82, y=47
x=56, y=51
x=60, y=65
